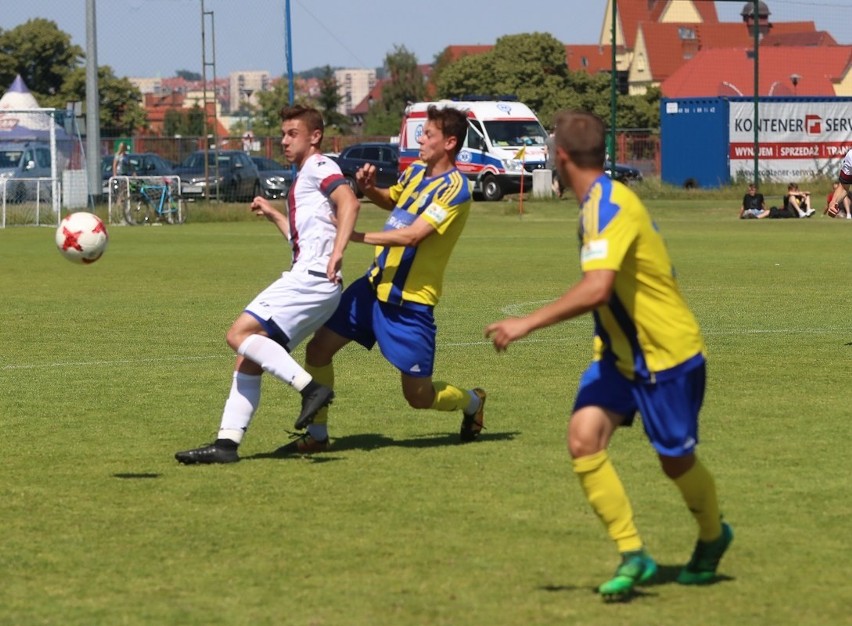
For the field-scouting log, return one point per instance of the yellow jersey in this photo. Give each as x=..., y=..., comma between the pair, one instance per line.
x=646, y=328
x=415, y=274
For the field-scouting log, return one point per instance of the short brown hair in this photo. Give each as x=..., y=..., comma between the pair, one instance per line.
x=451, y=121
x=583, y=136
x=309, y=115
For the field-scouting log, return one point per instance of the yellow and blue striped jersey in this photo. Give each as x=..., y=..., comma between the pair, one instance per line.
x=415, y=274
x=646, y=327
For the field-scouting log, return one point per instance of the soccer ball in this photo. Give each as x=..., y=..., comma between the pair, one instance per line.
x=81, y=237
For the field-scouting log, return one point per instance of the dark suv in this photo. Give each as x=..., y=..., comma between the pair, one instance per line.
x=385, y=156
x=237, y=175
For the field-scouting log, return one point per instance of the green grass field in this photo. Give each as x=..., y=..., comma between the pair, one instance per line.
x=107, y=370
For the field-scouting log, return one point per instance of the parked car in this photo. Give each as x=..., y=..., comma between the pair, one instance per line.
x=21, y=162
x=140, y=164
x=623, y=173
x=385, y=156
x=237, y=177
x=275, y=179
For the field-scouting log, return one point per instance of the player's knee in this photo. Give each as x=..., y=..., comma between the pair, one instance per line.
x=579, y=446
x=233, y=339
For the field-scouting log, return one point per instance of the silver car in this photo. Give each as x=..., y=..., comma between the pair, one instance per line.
x=21, y=167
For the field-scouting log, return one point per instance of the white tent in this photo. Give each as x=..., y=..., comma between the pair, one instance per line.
x=16, y=123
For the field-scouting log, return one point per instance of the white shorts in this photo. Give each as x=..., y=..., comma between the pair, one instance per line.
x=297, y=304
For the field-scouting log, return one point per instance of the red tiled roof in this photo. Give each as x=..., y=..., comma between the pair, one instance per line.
x=633, y=12
x=589, y=58
x=816, y=38
x=730, y=71
x=667, y=50
x=374, y=95
x=454, y=53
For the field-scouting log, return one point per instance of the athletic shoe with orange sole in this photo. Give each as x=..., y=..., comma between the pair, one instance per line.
x=473, y=424
x=303, y=443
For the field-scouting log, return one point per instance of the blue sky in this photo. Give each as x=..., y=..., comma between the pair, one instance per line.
x=157, y=37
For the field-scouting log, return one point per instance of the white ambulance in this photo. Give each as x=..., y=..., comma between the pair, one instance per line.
x=504, y=140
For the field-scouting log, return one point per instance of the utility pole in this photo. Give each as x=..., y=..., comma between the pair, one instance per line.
x=756, y=22
x=613, y=88
x=205, y=15
x=93, y=115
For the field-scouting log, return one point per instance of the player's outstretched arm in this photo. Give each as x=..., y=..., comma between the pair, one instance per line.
x=365, y=177
x=410, y=235
x=593, y=290
x=262, y=206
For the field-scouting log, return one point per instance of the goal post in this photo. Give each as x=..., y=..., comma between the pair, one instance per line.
x=42, y=167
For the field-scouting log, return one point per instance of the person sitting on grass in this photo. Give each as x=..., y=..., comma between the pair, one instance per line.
x=799, y=201
x=754, y=205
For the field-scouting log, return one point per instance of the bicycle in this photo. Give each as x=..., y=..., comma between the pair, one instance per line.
x=154, y=203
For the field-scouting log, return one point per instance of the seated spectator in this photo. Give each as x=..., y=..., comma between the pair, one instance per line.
x=799, y=201
x=845, y=205
x=753, y=206
x=784, y=212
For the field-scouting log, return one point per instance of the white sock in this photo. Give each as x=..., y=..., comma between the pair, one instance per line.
x=473, y=403
x=240, y=406
x=273, y=358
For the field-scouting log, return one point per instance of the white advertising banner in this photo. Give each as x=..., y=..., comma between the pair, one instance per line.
x=797, y=140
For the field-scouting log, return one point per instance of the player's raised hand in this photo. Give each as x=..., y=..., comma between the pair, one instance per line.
x=366, y=177
x=262, y=206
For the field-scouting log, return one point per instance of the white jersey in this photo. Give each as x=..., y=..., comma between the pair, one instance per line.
x=311, y=213
x=845, y=175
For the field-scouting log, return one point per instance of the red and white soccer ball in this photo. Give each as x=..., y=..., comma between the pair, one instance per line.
x=81, y=237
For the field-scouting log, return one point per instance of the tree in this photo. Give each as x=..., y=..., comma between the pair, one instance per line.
x=382, y=123
x=121, y=111
x=329, y=99
x=528, y=66
x=267, y=121
x=404, y=84
x=188, y=75
x=41, y=53
x=470, y=75
x=532, y=68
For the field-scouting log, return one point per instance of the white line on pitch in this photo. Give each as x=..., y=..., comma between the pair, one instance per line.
x=453, y=344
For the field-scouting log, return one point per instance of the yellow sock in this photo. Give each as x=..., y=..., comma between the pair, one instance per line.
x=606, y=494
x=325, y=376
x=699, y=492
x=449, y=398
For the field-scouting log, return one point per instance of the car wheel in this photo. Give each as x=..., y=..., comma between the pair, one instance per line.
x=255, y=191
x=231, y=194
x=491, y=190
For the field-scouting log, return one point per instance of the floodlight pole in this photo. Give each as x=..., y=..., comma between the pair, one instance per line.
x=288, y=52
x=612, y=88
x=756, y=21
x=93, y=126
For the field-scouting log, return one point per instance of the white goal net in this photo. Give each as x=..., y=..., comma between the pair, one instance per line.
x=42, y=167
